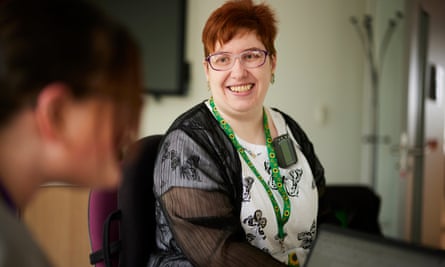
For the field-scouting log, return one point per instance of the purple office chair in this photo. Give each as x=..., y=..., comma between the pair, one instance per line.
x=122, y=222
x=103, y=214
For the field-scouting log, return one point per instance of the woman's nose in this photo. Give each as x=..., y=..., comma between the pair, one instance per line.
x=238, y=69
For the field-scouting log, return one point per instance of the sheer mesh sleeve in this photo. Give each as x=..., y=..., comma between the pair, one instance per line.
x=200, y=208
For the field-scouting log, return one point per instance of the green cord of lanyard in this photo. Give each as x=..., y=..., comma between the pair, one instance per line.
x=281, y=220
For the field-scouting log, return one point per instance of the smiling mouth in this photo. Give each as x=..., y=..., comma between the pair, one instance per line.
x=241, y=88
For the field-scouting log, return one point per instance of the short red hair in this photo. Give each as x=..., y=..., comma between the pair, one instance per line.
x=236, y=16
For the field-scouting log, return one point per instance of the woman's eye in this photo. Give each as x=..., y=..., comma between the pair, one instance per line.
x=223, y=59
x=251, y=56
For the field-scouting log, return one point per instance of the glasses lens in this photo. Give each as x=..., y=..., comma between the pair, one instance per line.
x=221, y=61
x=249, y=59
x=253, y=58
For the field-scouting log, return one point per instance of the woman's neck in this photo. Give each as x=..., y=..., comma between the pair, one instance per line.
x=18, y=156
x=17, y=189
x=250, y=127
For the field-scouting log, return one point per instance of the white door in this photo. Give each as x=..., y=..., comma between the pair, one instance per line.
x=410, y=156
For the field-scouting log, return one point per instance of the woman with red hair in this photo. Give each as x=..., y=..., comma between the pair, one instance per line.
x=237, y=183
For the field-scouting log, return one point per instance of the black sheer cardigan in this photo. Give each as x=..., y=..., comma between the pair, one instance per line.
x=198, y=190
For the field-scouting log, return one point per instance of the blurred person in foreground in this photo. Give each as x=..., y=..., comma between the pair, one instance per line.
x=70, y=101
x=237, y=183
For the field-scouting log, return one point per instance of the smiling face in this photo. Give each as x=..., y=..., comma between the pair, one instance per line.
x=240, y=91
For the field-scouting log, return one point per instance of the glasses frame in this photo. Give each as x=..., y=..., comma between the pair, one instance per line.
x=237, y=56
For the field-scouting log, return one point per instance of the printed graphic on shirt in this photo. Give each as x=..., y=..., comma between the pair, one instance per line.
x=172, y=155
x=251, y=153
x=257, y=223
x=308, y=237
x=162, y=228
x=247, y=186
x=290, y=181
x=188, y=169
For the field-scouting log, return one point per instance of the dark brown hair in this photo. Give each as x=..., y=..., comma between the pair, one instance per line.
x=71, y=42
x=236, y=16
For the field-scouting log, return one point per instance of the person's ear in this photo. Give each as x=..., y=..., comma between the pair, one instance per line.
x=49, y=110
x=273, y=62
x=206, y=66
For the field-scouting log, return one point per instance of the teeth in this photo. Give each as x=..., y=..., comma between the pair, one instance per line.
x=241, y=88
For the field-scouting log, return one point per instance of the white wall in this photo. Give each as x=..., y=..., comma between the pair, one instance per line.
x=320, y=71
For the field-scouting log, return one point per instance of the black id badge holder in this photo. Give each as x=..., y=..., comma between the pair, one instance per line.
x=285, y=151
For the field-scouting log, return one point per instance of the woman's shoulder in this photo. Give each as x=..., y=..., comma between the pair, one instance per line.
x=297, y=131
x=288, y=120
x=199, y=125
x=195, y=118
x=16, y=241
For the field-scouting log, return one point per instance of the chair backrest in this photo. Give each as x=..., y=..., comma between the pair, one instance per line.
x=137, y=203
x=122, y=222
x=356, y=207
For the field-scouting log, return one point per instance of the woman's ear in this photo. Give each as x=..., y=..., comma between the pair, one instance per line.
x=205, y=64
x=273, y=62
x=50, y=108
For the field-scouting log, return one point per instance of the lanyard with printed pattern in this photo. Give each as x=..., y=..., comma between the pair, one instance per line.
x=281, y=219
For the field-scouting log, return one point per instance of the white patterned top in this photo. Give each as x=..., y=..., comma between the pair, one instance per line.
x=257, y=215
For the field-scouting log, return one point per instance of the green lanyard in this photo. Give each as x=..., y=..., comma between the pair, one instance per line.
x=281, y=220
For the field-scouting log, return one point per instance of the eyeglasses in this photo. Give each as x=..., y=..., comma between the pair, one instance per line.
x=250, y=59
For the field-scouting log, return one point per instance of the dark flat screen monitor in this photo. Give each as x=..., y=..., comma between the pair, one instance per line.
x=159, y=28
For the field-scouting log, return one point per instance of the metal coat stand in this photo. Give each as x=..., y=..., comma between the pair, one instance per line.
x=375, y=58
